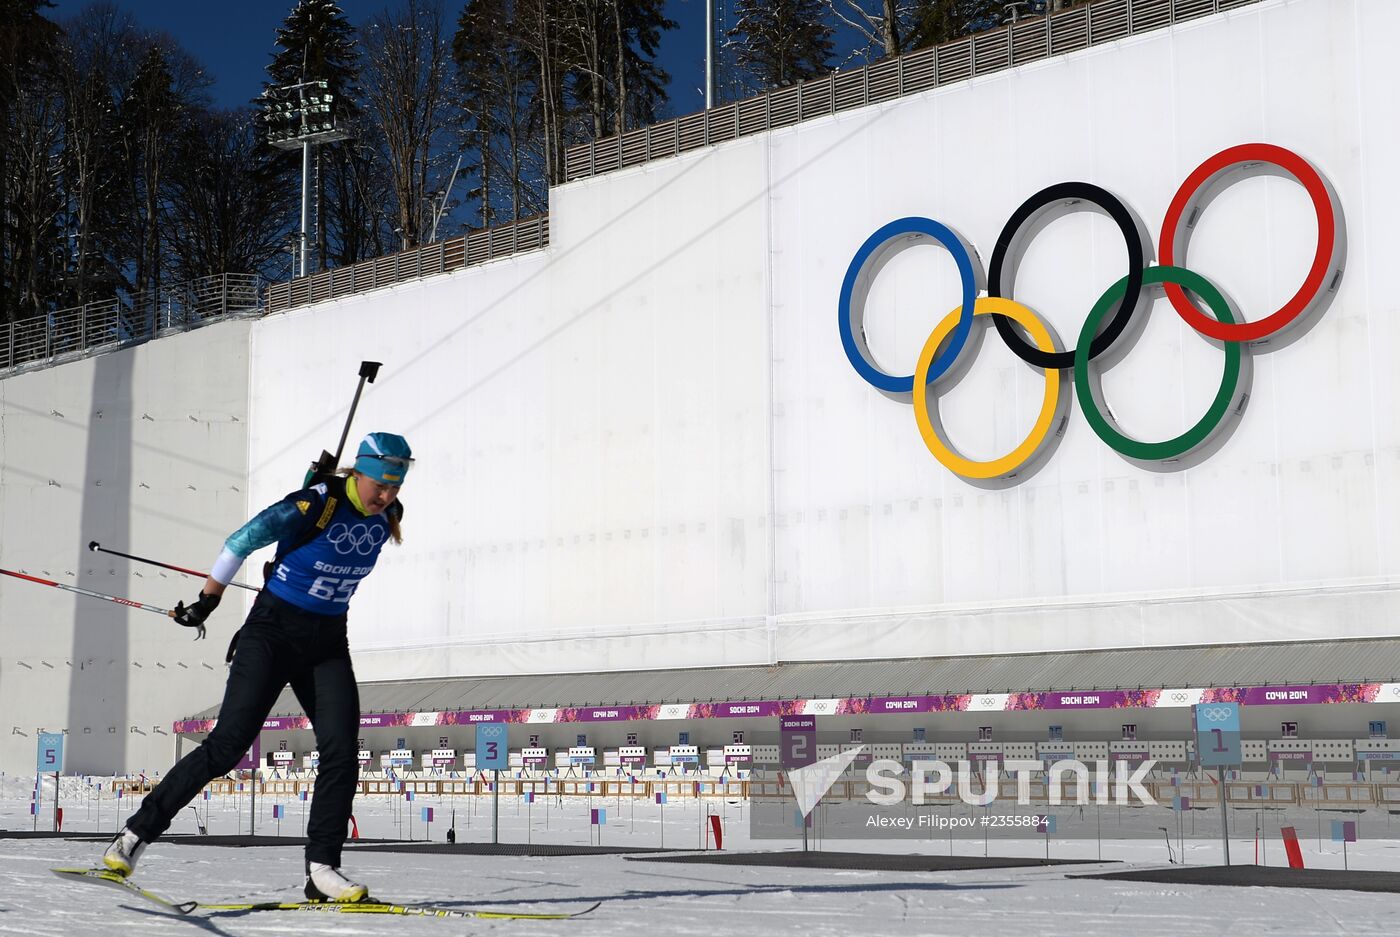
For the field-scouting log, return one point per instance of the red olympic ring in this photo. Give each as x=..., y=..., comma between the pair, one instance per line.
x=1174, y=239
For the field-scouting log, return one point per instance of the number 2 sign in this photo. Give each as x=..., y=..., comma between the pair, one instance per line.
x=798, y=741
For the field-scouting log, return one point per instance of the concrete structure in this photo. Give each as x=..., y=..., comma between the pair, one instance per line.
x=645, y=448
x=144, y=451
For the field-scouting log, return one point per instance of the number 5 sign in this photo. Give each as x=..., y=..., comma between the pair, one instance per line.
x=491, y=751
x=50, y=752
x=1217, y=733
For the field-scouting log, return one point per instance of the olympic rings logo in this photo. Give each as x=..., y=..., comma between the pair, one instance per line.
x=1123, y=304
x=1220, y=714
x=360, y=539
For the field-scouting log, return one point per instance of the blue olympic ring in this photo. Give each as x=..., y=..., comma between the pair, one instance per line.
x=877, y=248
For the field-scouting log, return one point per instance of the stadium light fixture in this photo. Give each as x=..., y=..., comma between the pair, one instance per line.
x=301, y=115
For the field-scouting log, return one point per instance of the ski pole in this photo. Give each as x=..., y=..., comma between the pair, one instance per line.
x=131, y=603
x=327, y=463
x=99, y=548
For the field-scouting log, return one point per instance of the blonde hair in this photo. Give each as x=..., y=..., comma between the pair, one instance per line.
x=395, y=534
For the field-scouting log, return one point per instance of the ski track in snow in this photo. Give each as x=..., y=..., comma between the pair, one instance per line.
x=686, y=900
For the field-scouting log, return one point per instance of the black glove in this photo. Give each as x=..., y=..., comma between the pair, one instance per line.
x=195, y=614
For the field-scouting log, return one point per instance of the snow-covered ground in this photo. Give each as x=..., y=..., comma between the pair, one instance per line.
x=650, y=898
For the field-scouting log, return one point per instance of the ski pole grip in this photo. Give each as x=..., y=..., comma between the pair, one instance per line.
x=369, y=370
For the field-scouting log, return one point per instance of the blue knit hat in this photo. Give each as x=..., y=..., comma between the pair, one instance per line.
x=384, y=457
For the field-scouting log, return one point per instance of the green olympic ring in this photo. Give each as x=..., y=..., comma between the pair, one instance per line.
x=1226, y=400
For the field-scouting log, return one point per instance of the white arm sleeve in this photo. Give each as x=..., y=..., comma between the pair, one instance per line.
x=226, y=567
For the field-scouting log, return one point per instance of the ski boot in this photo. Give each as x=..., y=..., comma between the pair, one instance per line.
x=122, y=855
x=326, y=883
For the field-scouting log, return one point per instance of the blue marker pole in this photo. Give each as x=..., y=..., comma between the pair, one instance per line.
x=1217, y=730
x=492, y=752
x=50, y=759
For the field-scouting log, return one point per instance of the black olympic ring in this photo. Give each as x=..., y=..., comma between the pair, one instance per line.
x=361, y=538
x=1041, y=207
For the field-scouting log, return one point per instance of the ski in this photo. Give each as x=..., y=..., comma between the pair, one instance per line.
x=113, y=880
x=414, y=910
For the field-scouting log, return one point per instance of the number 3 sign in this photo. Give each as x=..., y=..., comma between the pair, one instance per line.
x=491, y=751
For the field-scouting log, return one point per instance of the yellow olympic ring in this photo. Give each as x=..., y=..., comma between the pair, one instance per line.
x=1008, y=465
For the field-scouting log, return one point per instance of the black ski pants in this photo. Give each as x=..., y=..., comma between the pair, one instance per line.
x=279, y=644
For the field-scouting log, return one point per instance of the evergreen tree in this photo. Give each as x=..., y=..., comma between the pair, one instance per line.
x=781, y=42
x=934, y=22
x=151, y=113
x=608, y=52
x=317, y=43
x=641, y=81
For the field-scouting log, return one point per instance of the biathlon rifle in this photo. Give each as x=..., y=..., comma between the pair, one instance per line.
x=323, y=468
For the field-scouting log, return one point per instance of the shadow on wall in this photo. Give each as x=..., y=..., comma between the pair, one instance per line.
x=97, y=696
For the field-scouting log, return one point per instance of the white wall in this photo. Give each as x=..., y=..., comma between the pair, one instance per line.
x=1282, y=534
x=644, y=447
x=144, y=451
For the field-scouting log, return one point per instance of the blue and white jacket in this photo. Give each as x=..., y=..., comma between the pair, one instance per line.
x=321, y=576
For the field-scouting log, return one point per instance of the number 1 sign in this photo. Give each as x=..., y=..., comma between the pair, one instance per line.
x=1217, y=733
x=1218, y=743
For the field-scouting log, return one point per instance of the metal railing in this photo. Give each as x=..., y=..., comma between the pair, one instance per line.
x=467, y=250
x=109, y=324
x=1027, y=41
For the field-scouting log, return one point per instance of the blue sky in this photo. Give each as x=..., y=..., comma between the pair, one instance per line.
x=235, y=41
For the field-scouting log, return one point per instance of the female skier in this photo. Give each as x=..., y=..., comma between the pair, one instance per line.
x=328, y=538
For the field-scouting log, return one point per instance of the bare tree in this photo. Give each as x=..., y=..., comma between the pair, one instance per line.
x=26, y=48
x=98, y=121
x=609, y=48
x=542, y=34
x=96, y=60
x=405, y=80
x=879, y=22
x=34, y=241
x=497, y=84
x=597, y=69
x=894, y=27
x=228, y=214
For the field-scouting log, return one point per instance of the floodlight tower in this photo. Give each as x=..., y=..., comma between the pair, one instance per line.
x=301, y=115
x=710, y=53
